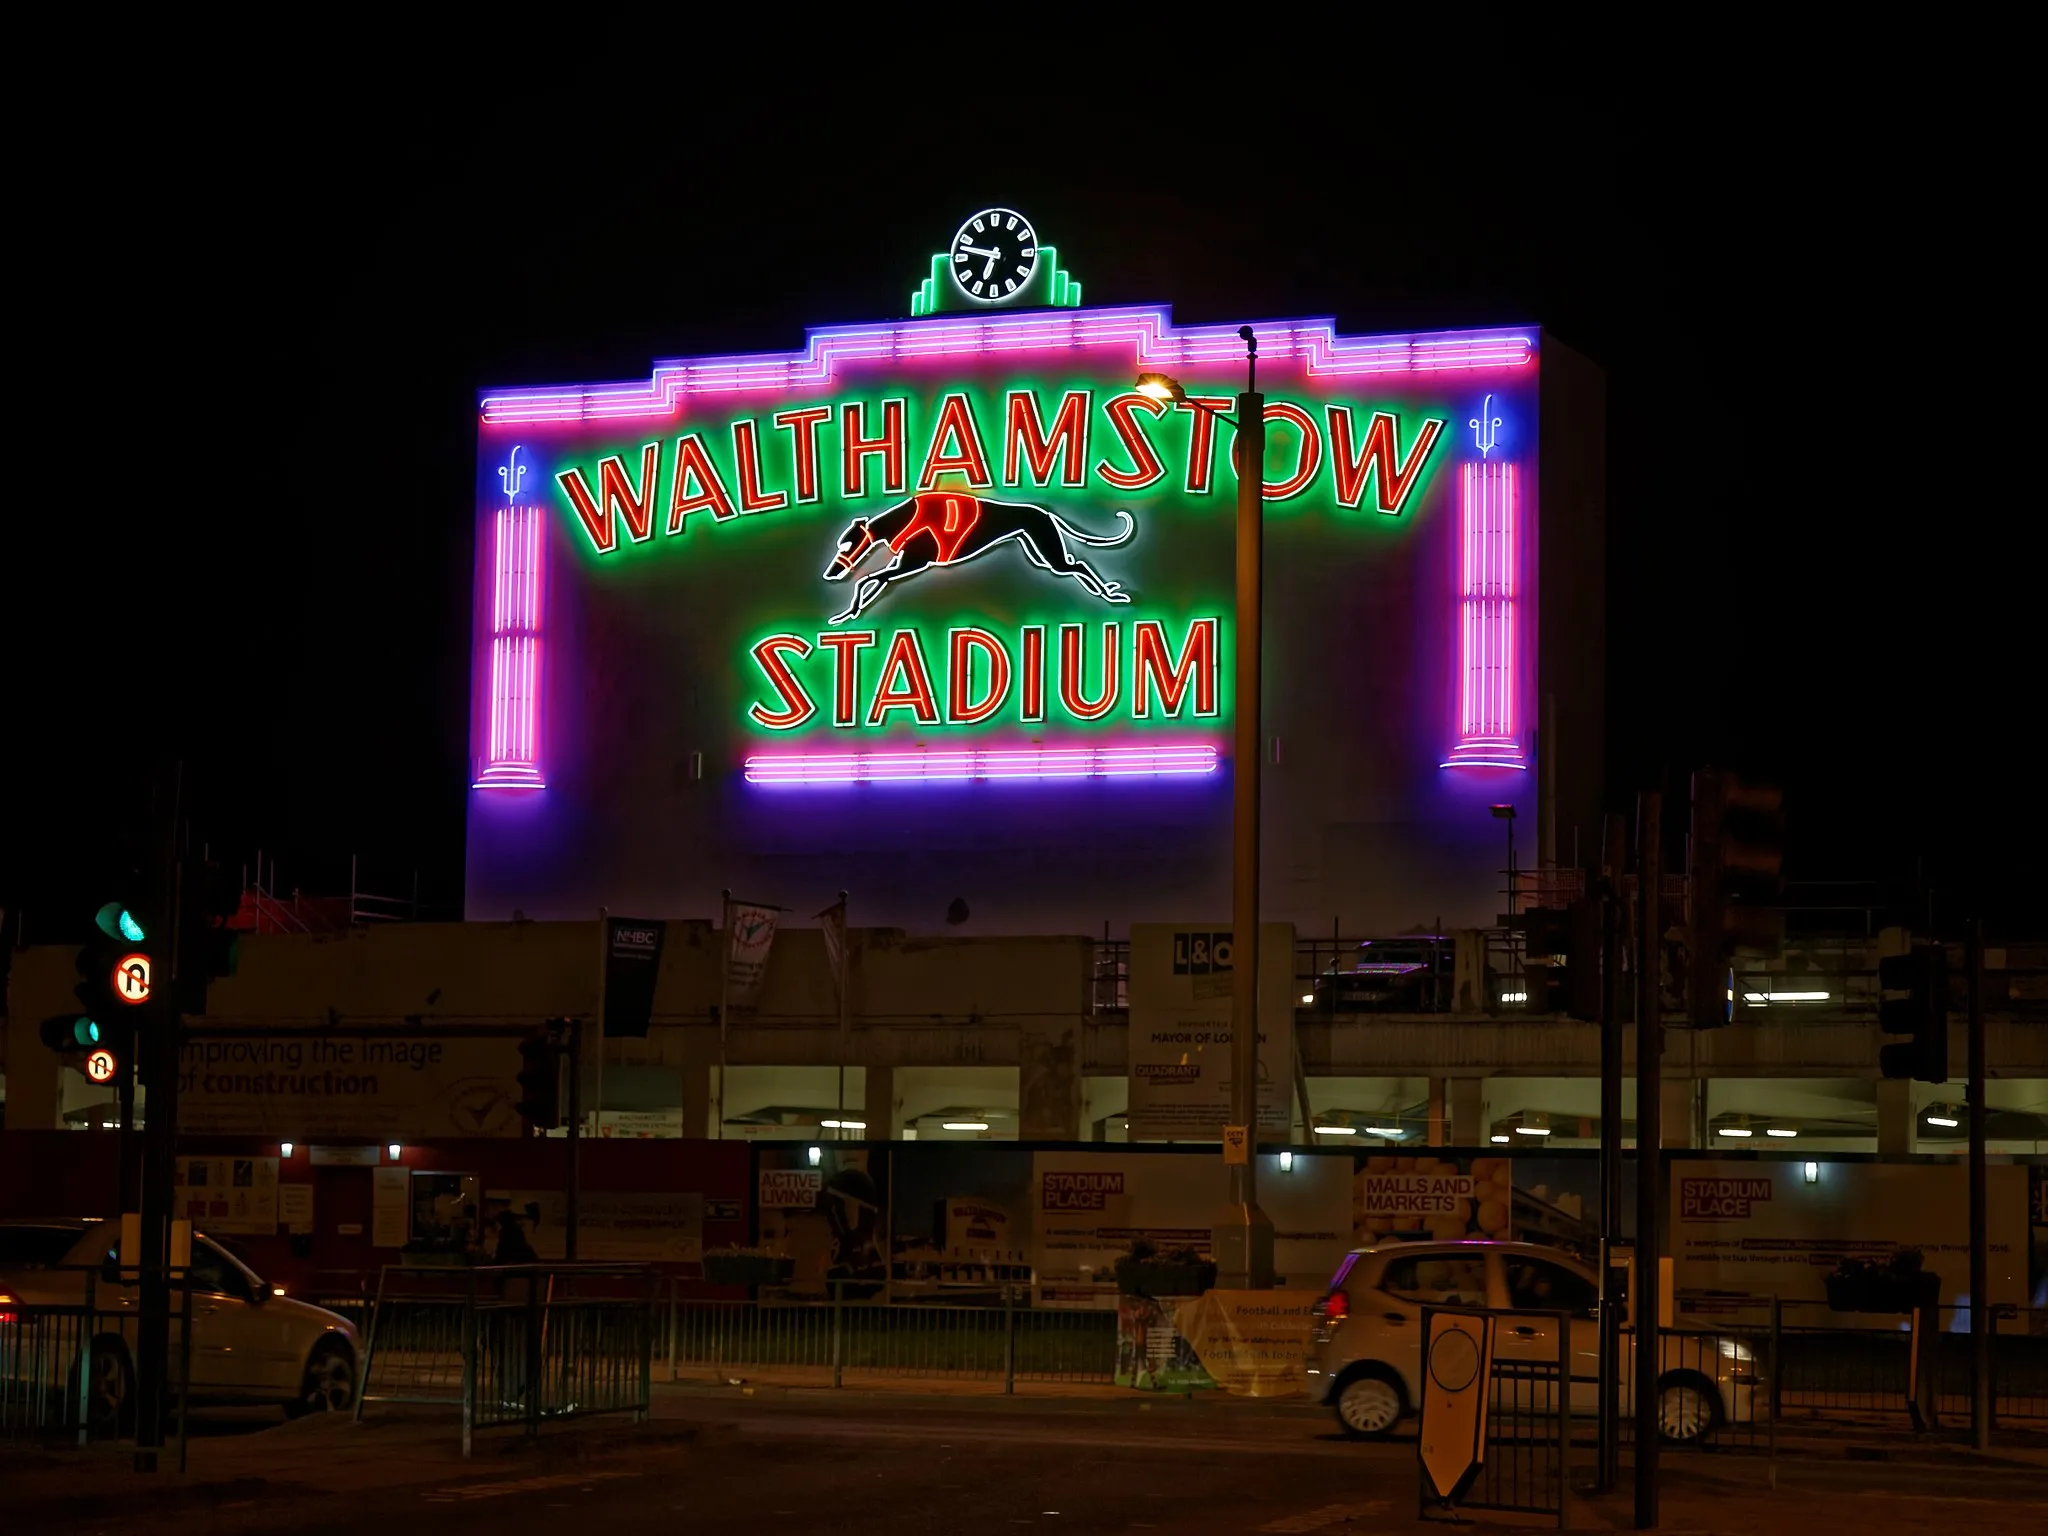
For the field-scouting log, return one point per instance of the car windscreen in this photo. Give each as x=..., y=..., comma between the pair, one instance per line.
x=36, y=1247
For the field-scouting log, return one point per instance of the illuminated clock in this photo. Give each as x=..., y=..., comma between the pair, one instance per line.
x=994, y=255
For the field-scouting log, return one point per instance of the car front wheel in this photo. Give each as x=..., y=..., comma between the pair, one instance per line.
x=1688, y=1408
x=1368, y=1406
x=330, y=1380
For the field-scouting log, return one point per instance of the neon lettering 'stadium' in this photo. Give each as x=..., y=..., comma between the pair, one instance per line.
x=1351, y=456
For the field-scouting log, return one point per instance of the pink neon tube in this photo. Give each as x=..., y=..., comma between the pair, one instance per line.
x=994, y=763
x=511, y=760
x=1147, y=337
x=1489, y=506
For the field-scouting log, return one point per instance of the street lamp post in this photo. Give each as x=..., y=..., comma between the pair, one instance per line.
x=1243, y=1238
x=1516, y=971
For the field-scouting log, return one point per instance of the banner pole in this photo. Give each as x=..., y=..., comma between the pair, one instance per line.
x=724, y=997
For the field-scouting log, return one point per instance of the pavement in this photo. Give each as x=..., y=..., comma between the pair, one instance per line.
x=901, y=1460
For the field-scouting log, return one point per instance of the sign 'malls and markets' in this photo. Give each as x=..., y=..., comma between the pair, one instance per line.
x=964, y=546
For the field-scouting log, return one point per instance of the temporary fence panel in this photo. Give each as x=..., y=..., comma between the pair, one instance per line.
x=829, y=1341
x=512, y=1344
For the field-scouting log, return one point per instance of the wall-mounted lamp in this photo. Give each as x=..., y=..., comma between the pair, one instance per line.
x=1813, y=1173
x=394, y=1149
x=817, y=1156
x=1287, y=1162
x=284, y=1148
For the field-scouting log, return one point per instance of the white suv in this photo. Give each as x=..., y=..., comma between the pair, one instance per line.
x=250, y=1343
x=1365, y=1353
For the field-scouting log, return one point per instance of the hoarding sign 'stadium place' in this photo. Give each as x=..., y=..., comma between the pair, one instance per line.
x=942, y=608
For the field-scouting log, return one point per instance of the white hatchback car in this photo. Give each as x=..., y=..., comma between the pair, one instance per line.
x=1365, y=1353
x=249, y=1343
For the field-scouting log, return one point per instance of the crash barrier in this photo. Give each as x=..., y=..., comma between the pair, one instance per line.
x=67, y=1371
x=1000, y=1338
x=512, y=1343
x=1522, y=1452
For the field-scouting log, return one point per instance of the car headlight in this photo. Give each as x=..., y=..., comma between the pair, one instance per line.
x=1735, y=1349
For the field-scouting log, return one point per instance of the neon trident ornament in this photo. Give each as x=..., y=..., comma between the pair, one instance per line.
x=1485, y=429
x=512, y=473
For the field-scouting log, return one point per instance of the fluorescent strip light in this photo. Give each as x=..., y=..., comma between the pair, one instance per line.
x=1307, y=998
x=1514, y=997
x=1503, y=1138
x=1732, y=1130
x=963, y=1125
x=1943, y=1120
x=1384, y=1130
x=844, y=1125
x=1779, y=1130
x=1767, y=998
x=1336, y=1130
x=1532, y=1130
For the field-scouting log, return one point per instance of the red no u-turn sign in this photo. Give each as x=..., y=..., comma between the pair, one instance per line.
x=131, y=978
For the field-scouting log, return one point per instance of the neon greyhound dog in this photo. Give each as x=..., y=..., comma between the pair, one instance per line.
x=936, y=528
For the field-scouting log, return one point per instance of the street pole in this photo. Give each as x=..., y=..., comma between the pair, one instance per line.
x=1980, y=1239
x=1649, y=1148
x=1615, y=843
x=159, y=1044
x=575, y=1134
x=1250, y=1233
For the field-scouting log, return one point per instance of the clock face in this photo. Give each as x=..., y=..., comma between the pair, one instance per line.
x=994, y=255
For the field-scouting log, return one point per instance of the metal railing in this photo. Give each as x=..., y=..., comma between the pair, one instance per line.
x=512, y=1344
x=67, y=1370
x=830, y=1342
x=1716, y=1388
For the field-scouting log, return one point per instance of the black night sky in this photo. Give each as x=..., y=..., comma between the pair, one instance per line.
x=1789, y=593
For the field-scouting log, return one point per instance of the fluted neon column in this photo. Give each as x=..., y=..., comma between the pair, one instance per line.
x=1490, y=507
x=512, y=748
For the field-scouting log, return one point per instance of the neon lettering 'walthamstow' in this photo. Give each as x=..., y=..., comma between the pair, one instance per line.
x=766, y=465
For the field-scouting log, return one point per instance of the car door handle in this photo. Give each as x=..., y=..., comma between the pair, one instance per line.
x=1395, y=1318
x=1525, y=1333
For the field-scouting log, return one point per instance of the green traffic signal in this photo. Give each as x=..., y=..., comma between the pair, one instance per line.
x=86, y=1032
x=117, y=922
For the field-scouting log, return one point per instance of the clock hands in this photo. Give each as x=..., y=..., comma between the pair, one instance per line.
x=976, y=250
x=994, y=257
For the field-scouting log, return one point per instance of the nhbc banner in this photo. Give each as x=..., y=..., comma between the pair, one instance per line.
x=401, y=1086
x=1180, y=989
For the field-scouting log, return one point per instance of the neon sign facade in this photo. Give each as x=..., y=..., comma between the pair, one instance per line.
x=959, y=555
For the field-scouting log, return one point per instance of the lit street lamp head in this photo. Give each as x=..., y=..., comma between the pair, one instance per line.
x=1502, y=812
x=1159, y=387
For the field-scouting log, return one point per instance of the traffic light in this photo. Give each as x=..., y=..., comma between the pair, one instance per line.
x=207, y=946
x=115, y=989
x=1561, y=950
x=1738, y=858
x=1914, y=1004
x=540, y=1079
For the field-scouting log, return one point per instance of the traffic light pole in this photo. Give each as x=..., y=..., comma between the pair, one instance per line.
x=157, y=1044
x=1649, y=1141
x=1980, y=1238
x=1611, y=1011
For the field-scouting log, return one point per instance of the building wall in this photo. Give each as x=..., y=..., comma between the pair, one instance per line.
x=644, y=670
